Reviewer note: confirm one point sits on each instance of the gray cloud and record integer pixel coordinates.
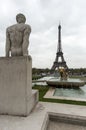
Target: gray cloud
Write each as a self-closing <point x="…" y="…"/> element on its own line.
<point x="44" y="17"/>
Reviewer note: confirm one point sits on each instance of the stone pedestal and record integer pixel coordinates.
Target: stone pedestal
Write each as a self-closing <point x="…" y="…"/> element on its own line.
<point x="16" y="96"/>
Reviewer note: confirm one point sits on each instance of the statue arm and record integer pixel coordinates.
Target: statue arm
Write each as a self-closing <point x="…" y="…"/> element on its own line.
<point x="25" y="44"/>
<point x="7" y="43"/>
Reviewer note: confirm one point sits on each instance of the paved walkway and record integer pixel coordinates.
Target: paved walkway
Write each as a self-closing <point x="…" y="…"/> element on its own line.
<point x="35" y="120"/>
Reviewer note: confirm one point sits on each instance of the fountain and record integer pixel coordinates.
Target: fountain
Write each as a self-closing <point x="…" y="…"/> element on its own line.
<point x="64" y="82"/>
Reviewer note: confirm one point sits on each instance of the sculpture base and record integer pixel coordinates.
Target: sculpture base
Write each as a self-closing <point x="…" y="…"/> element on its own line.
<point x="16" y="96"/>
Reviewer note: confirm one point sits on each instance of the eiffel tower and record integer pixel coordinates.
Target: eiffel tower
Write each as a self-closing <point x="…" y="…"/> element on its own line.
<point x="59" y="54"/>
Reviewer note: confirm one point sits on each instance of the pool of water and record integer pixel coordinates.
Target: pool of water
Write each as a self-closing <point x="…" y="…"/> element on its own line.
<point x="75" y="93"/>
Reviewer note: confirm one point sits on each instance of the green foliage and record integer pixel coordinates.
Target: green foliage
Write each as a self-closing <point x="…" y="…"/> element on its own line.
<point x="35" y="77"/>
<point x="39" y="71"/>
<point x="78" y="70"/>
<point x="42" y="91"/>
<point x="71" y="70"/>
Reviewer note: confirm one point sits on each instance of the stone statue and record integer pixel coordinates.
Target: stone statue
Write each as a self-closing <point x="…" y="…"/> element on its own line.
<point x="17" y="37"/>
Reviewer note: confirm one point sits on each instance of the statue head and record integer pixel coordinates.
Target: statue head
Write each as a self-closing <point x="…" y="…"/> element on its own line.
<point x="20" y="18"/>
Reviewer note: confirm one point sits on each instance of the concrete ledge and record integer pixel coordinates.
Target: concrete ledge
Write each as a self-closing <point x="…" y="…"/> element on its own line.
<point x="46" y="122"/>
<point x="63" y="118"/>
<point x="32" y="101"/>
<point x="71" y="119"/>
<point x="37" y="118"/>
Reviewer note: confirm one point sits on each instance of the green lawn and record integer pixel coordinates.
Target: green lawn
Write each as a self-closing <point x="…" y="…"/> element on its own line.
<point x="44" y="89"/>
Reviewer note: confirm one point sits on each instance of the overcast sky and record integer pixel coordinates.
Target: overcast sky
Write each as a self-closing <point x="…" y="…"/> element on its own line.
<point x="44" y="17"/>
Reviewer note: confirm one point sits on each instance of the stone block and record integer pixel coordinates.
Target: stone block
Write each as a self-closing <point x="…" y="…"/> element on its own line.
<point x="16" y="86"/>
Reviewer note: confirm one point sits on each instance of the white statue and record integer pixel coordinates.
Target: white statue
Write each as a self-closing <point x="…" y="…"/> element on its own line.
<point x="17" y="37"/>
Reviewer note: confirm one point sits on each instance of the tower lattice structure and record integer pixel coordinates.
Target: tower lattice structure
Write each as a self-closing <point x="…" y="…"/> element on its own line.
<point x="59" y="54"/>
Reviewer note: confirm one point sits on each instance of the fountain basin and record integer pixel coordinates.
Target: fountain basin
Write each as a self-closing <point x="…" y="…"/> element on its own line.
<point x="69" y="83"/>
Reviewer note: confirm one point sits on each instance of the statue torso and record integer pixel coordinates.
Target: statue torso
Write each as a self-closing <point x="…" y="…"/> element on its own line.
<point x="16" y="34"/>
